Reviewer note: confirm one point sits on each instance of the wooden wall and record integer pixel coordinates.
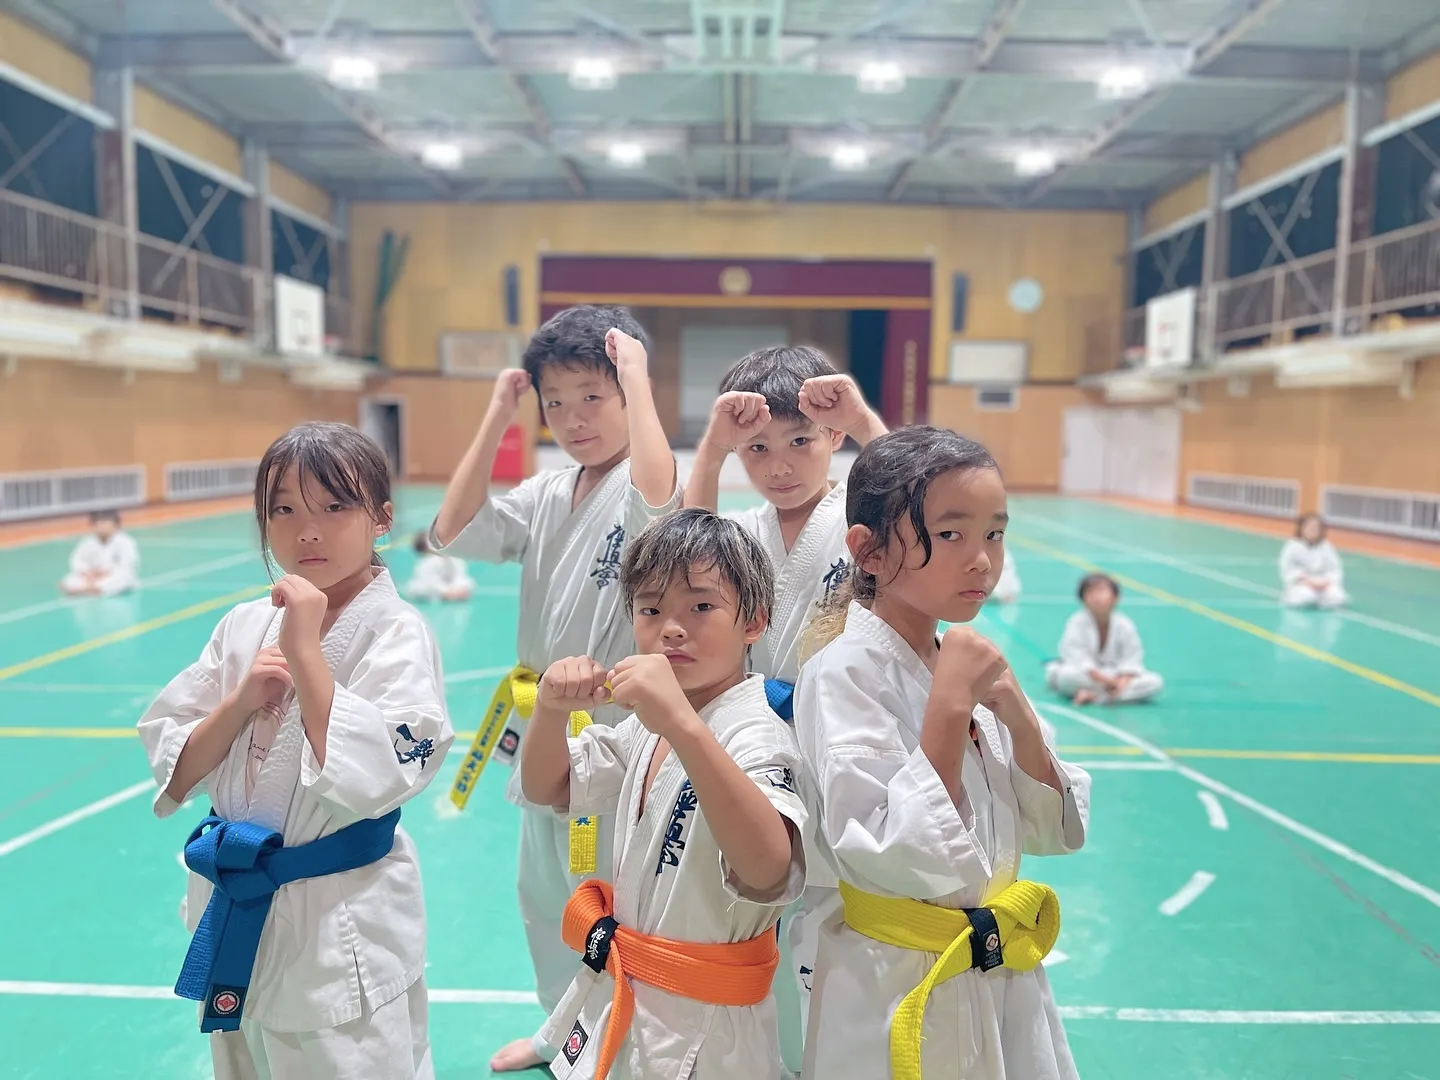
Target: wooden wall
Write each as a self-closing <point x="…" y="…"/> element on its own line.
<point x="1369" y="437"/>
<point x="56" y="415"/>
<point x="1026" y="442"/>
<point x="452" y="280"/>
<point x="441" y="418"/>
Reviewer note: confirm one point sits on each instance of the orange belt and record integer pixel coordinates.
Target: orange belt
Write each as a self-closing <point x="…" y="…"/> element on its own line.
<point x="736" y="974"/>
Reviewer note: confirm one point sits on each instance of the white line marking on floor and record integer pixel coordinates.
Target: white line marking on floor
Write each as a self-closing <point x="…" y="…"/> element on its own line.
<point x="169" y="576"/>
<point x="1214" y="810"/>
<point x="1055" y="958"/>
<point x="1329" y="843"/>
<point x="1123" y="766"/>
<point x="1244" y="1016"/>
<point x="1189" y="567"/>
<point x="1187" y="893"/>
<point x="64" y="821"/>
<point x="164" y="993"/>
<point x="476" y="674"/>
<point x="484" y="997"/>
<point x="1067" y="1012"/>
<point x="79" y="688"/>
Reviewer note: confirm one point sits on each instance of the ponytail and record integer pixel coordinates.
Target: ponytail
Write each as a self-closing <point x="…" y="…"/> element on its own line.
<point x="828" y="622"/>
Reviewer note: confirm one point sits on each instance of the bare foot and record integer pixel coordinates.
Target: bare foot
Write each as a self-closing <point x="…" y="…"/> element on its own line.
<point x="1085" y="697"/>
<point x="516" y="1056"/>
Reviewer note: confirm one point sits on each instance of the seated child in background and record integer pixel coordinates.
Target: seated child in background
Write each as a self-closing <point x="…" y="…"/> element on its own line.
<point x="1007" y="589"/>
<point x="1310" y="568"/>
<point x="700" y="784"/>
<point x="436" y="576"/>
<point x="1101" y="658"/>
<point x="105" y="563"/>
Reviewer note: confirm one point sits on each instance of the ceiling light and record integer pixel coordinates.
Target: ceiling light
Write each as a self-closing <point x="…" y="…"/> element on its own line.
<point x="849" y="157"/>
<point x="442" y="155"/>
<point x="881" y="77"/>
<point x="593" y="73"/>
<point x="626" y="155"/>
<point x="351" y="72"/>
<point x="1121" y="82"/>
<point x="1035" y="162"/>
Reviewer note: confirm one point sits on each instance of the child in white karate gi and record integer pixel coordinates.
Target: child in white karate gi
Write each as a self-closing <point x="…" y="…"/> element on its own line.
<point x="314" y="714"/>
<point x="934" y="775"/>
<point x="1310" y="568"/>
<point x="568" y="529"/>
<point x="708" y="824"/>
<point x="1101" y="656"/>
<point x="436" y="576"/>
<point x="105" y="563"/>
<point x="784" y="412"/>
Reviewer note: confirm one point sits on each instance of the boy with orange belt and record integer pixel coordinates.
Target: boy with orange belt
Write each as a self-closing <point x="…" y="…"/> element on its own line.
<point x="679" y="955"/>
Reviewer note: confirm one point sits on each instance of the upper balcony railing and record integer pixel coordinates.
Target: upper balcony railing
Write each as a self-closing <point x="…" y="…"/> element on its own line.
<point x="1394" y="272"/>
<point x="72" y="253"/>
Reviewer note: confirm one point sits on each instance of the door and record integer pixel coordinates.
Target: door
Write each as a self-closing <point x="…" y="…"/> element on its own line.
<point x="707" y="351"/>
<point x="382" y="421"/>
<point x="1142" y="459"/>
<point x="1082" y="468"/>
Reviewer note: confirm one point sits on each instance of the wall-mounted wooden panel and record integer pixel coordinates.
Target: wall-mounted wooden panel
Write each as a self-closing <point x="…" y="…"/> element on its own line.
<point x="185" y="131"/>
<point x="1316" y="133"/>
<point x="45" y="59"/>
<point x="1189" y="198"/>
<point x="299" y="192"/>
<point x="1413" y="87"/>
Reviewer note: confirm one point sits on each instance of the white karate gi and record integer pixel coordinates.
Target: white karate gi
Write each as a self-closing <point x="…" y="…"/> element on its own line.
<point x="1007" y="589"/>
<point x="1122" y="654"/>
<point x="894" y="831"/>
<point x="338" y="976"/>
<point x="672" y="881"/>
<point x="1300" y="563"/>
<point x="116" y="560"/>
<point x="570" y="605"/>
<point x="438" y="577"/>
<point x="816" y="565"/>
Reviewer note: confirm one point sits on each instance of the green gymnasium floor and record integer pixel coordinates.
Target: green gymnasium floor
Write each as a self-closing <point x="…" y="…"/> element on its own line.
<point x="1260" y="896"/>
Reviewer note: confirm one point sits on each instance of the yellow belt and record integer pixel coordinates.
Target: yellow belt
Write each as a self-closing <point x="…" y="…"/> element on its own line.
<point x="516" y="693"/>
<point x="1027" y="917"/>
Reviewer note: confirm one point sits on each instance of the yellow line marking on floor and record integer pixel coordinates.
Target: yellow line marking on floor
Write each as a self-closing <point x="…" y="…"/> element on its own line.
<point x="160" y="621"/>
<point x="1359" y="670"/>
<point x="157" y="623"/>
<point x="463" y="738"/>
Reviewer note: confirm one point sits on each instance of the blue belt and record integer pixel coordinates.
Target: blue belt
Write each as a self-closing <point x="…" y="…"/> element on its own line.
<point x="781" y="696"/>
<point x="247" y="863"/>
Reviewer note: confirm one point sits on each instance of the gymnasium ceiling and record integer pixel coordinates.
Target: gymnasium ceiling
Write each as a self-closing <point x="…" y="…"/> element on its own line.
<point x="751" y="98"/>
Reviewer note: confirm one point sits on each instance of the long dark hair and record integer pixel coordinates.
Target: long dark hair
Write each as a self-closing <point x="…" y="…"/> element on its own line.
<point x="888" y="483"/>
<point x="337" y="457"/>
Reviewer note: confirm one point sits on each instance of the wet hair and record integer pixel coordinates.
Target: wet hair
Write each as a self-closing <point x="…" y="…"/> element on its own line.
<point x="888" y="483"/>
<point x="97" y="516"/>
<point x="694" y="540"/>
<point x="1303" y="518"/>
<point x="337" y="457"/>
<point x="777" y="374"/>
<point x="1090" y="581"/>
<point x="575" y="339"/>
